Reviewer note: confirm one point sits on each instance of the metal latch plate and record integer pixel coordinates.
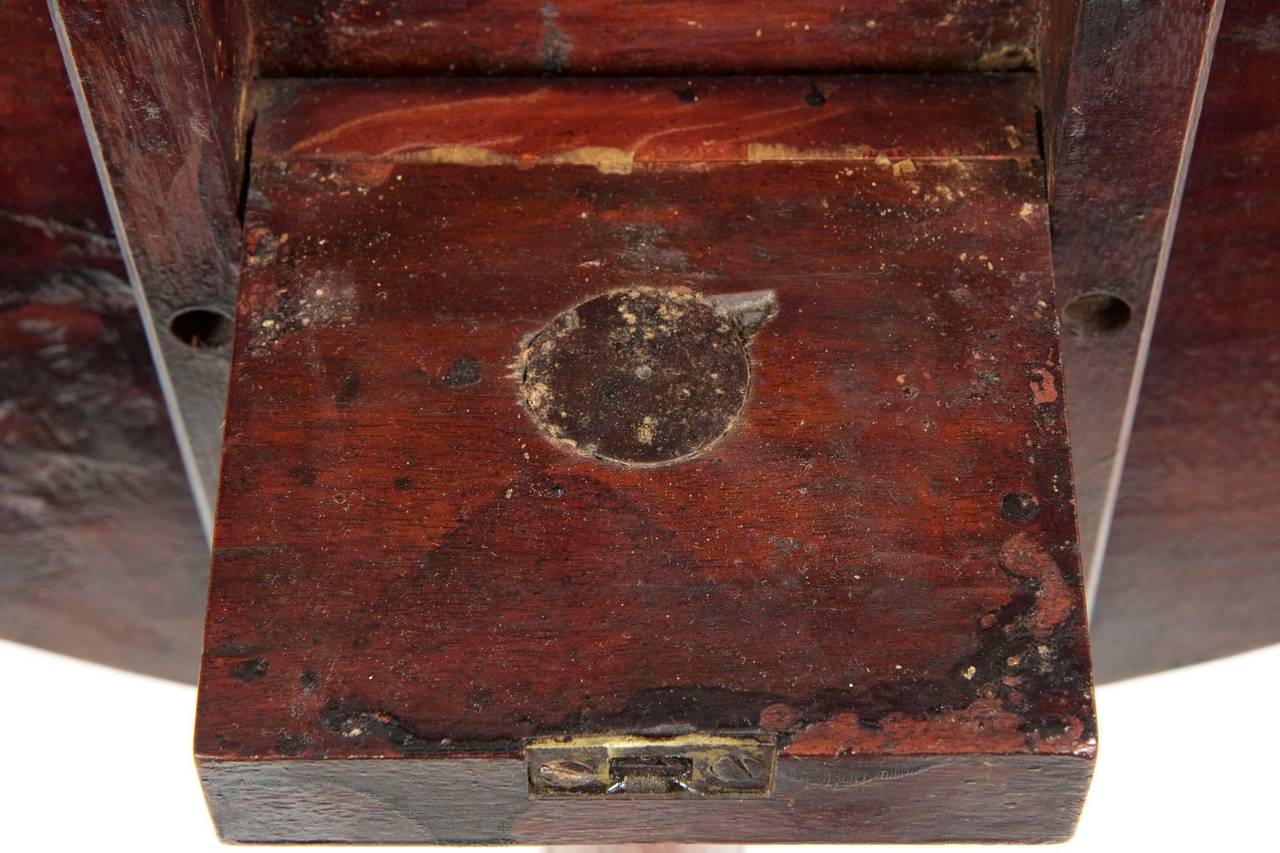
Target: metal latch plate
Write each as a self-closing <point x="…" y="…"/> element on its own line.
<point x="694" y="764"/>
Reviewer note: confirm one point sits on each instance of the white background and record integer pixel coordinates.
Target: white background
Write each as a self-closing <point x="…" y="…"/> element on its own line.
<point x="94" y="759"/>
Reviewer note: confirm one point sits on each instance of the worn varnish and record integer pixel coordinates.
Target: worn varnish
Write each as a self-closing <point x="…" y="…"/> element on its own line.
<point x="549" y="37"/>
<point x="1114" y="166"/>
<point x="101" y="555"/>
<point x="615" y="125"/>
<point x="638" y="376"/>
<point x="1122" y="84"/>
<point x="875" y="566"/>
<point x="1191" y="569"/>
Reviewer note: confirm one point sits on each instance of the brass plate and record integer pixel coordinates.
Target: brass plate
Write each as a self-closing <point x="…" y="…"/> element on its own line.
<point x="683" y="765"/>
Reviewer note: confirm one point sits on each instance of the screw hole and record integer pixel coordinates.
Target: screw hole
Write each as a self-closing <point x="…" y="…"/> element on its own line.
<point x="1096" y="313"/>
<point x="202" y="328"/>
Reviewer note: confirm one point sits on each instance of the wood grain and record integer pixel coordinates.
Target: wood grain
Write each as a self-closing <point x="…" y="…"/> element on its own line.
<point x="101" y="554"/>
<point x="1191" y="566"/>
<point x="407" y="38"/>
<point x="852" y="798"/>
<point x="617" y="124"/>
<point x="1122" y="87"/>
<point x="877" y="560"/>
<point x="163" y="90"/>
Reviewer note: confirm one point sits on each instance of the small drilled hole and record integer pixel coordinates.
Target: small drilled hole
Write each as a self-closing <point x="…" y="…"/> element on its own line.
<point x="1096" y="313"/>
<point x="202" y="328"/>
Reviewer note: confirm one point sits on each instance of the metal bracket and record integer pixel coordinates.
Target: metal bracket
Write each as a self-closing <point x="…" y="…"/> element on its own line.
<point x="694" y="764"/>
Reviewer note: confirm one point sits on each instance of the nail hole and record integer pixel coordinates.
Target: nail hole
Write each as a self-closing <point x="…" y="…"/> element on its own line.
<point x="202" y="328"/>
<point x="1019" y="508"/>
<point x="1096" y="313"/>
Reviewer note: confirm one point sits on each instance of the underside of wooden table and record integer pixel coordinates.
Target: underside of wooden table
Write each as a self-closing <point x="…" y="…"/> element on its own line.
<point x="647" y="460"/>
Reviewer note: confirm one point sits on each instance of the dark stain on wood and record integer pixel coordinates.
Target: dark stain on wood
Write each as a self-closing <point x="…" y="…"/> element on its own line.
<point x="639" y="376"/>
<point x="837" y="567"/>
<point x="250" y="670"/>
<point x="463" y="373"/>
<point x="307" y="682"/>
<point x="348" y="388"/>
<point x="355" y="719"/>
<point x="1020" y="508"/>
<point x="291" y="745"/>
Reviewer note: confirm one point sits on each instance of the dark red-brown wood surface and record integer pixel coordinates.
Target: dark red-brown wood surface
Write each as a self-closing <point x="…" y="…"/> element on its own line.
<point x="101" y="554"/>
<point x="878" y="560"/>
<point x="619" y="124"/>
<point x="164" y="90"/>
<point x="1122" y="83"/>
<point x="995" y="798"/>
<point x="1192" y="567"/>
<point x="536" y="37"/>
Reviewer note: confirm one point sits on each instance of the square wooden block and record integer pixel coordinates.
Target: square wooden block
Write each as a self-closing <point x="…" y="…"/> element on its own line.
<point x="646" y="461"/>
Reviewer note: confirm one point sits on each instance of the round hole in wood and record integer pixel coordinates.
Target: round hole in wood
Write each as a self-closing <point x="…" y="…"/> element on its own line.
<point x="643" y="376"/>
<point x="202" y="328"/>
<point x="1096" y="313"/>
